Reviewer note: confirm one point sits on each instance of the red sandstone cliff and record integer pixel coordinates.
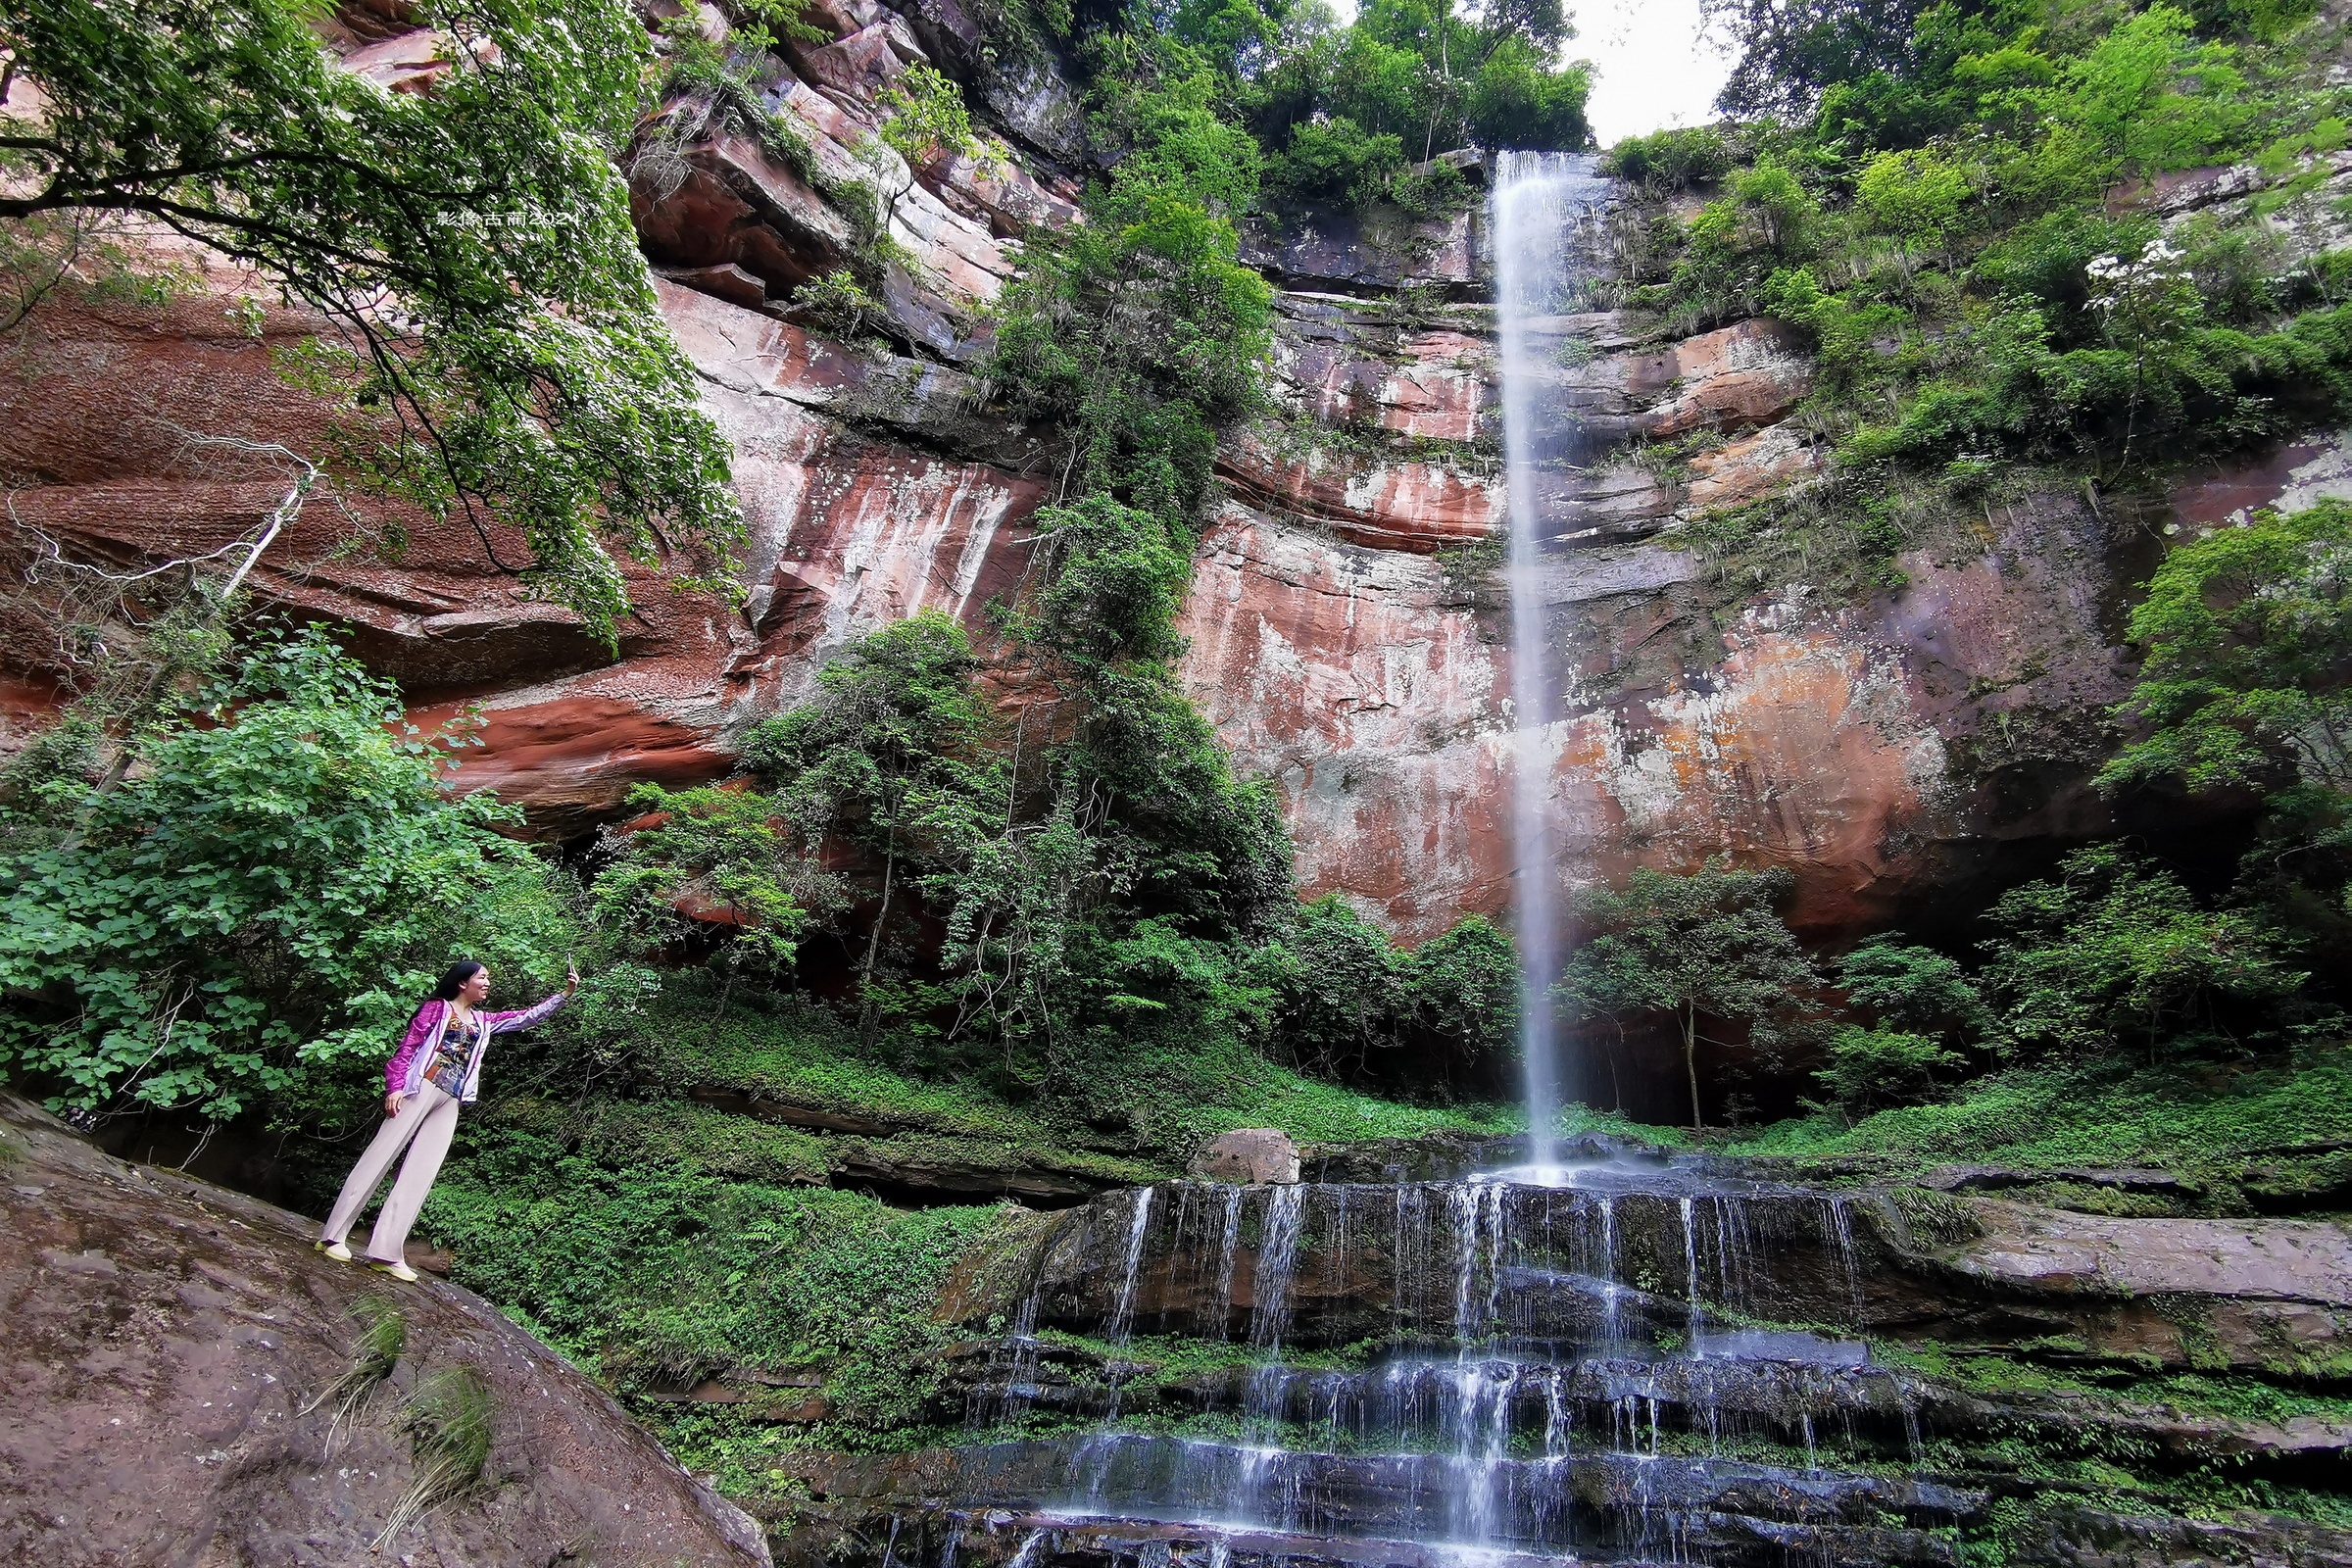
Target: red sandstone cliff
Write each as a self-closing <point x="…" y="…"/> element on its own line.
<point x="1344" y="633"/>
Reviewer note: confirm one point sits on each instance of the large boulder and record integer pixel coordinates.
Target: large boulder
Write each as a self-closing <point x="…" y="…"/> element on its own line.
<point x="186" y="1383"/>
<point x="1253" y="1156"/>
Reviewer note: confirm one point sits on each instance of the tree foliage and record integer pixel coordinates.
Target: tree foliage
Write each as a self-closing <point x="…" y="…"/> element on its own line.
<point x="1946" y="202"/>
<point x="704" y="859"/>
<point x="1707" y="945"/>
<point x="1926" y="1012"/>
<point x="1431" y="75"/>
<point x="269" y="894"/>
<point x="2247" y="675"/>
<point x="494" y="342"/>
<point x="2115" y="955"/>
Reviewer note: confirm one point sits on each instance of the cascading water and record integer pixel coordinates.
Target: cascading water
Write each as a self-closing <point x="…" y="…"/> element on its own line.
<point x="1567" y="1365"/>
<point x="1542" y="208"/>
<point x="1565" y="1375"/>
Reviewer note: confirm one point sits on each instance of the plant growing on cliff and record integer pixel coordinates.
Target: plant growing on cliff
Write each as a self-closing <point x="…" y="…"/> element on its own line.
<point x="923" y="117"/>
<point x="1139" y="330"/>
<point x="1707" y="945"/>
<point x="492" y="335"/>
<point x="447" y="1419"/>
<point x="1978" y="266"/>
<point x="2247" y="679"/>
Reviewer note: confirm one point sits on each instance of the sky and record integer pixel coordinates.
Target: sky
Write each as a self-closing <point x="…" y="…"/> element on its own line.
<point x="1651" y="68"/>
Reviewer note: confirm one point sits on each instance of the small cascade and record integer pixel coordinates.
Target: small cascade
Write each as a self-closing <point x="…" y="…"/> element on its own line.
<point x="1277" y="1262"/>
<point x="1012" y="1368"/>
<point x="1122" y="1318"/>
<point x="1565" y="1368"/>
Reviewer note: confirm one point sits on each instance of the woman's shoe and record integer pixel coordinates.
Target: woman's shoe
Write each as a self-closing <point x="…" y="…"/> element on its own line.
<point x="334" y="1250"/>
<point x="399" y="1271"/>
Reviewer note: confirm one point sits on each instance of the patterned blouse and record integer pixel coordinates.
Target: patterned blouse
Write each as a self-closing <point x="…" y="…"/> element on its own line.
<point x="441" y="1050"/>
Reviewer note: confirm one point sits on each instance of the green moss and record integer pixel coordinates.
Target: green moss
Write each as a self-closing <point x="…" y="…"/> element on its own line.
<point x="1171" y="1356"/>
<point x="674" y="1136"/>
<point x="655" y="1276"/>
<point x="1168" y="1100"/>
<point x="801" y="1055"/>
<point x="2205" y="1121"/>
<point x="1998" y="1374"/>
<point x="1937" y="1218"/>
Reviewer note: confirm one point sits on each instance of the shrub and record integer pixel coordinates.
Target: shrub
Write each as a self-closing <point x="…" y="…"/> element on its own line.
<point x="1674" y="159"/>
<point x="1335" y="161"/>
<point x="2114" y="955"/>
<point x="267" y="896"/>
<point x="1867" y="1068"/>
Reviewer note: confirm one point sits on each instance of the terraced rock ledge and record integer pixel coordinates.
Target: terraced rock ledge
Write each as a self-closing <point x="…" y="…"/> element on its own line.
<point x="1629" y="1358"/>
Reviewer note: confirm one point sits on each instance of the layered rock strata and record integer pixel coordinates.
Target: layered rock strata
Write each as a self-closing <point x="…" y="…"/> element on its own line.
<point x="1342" y="626"/>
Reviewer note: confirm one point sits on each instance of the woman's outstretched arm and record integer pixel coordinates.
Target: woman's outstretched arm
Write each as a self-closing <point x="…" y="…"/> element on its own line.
<point x="502" y="1023"/>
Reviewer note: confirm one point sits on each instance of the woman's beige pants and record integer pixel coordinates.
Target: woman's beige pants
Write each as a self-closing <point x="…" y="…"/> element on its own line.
<point x="427" y="1120"/>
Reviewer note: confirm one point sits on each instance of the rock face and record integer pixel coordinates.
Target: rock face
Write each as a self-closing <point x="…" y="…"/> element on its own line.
<point x="1251" y="1156"/>
<point x="1344" y="623"/>
<point x="1345" y="637"/>
<point x="173" y="1351"/>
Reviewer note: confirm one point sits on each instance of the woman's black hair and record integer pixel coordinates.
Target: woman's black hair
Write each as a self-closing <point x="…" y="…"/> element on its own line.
<point x="453" y="979"/>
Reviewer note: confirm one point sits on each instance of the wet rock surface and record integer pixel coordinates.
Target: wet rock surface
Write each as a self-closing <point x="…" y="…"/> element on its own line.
<point x="165" y="1345"/>
<point x="1595" y="1362"/>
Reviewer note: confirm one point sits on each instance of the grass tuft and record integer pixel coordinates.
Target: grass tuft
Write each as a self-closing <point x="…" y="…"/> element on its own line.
<point x="449" y="1432"/>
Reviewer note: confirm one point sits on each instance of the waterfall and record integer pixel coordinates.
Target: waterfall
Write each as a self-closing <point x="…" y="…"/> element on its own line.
<point x="1541" y="206"/>
<point x="1533" y="1366"/>
<point x="1567" y="1361"/>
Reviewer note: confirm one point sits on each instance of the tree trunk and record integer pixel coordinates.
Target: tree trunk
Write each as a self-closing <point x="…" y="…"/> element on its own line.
<point x="1699" y="1122"/>
<point x="873" y="945"/>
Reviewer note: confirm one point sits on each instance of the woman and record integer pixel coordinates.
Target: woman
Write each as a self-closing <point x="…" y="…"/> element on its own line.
<point x="437" y="1068"/>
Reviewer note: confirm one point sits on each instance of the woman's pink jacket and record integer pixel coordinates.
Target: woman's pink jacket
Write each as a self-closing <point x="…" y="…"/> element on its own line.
<point x="404" y="1074"/>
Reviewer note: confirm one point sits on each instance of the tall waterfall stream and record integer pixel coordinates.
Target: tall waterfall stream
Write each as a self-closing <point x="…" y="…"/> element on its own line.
<point x="1530" y="1351"/>
<point x="1540" y="218"/>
